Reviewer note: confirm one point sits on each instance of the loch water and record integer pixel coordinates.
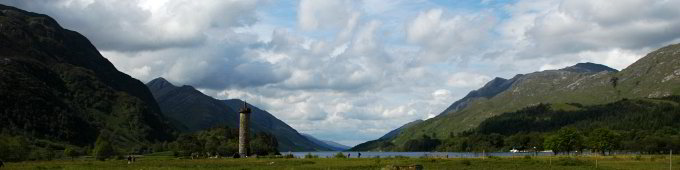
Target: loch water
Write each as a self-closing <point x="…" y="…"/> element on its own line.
<point x="330" y="154"/>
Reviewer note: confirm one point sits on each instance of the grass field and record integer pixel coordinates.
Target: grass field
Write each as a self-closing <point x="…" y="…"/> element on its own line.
<point x="648" y="162"/>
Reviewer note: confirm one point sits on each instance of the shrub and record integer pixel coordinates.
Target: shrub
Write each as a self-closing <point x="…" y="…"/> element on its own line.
<point x="41" y="154"/>
<point x="70" y="152"/>
<point x="339" y="155"/>
<point x="103" y="149"/>
<point x="289" y="156"/>
<point x="309" y="155"/>
<point x="13" y="148"/>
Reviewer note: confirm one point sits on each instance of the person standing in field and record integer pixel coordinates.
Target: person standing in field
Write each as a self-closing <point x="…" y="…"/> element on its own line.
<point x="129" y="159"/>
<point x="359" y="155"/>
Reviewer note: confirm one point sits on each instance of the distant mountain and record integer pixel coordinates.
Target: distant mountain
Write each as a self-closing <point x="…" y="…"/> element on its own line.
<point x="328" y="144"/>
<point x="56" y="86"/>
<point x="192" y="110"/>
<point x="490" y="89"/>
<point x="383" y="143"/>
<point x="655" y="75"/>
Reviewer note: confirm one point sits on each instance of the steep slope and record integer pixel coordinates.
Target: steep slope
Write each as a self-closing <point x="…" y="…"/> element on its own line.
<point x="490" y="89"/>
<point x="189" y="108"/>
<point x="57" y="86"/>
<point x="328" y="144"/>
<point x="384" y="143"/>
<point x="397" y="131"/>
<point x="193" y="110"/>
<point x="655" y="75"/>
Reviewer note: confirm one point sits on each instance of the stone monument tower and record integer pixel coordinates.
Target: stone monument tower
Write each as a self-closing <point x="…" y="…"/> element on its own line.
<point x="243" y="141"/>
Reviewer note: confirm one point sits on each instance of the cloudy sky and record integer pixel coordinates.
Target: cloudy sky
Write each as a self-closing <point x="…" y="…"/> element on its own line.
<point x="350" y="71"/>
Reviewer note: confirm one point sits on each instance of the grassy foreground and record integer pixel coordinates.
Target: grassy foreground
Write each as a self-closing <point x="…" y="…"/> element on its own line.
<point x="523" y="163"/>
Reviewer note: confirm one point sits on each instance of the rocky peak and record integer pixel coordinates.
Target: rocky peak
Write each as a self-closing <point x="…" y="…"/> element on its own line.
<point x="159" y="83"/>
<point x="588" y="67"/>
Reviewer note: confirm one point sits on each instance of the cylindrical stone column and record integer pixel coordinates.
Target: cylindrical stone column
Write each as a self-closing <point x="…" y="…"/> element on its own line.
<point x="243" y="141"/>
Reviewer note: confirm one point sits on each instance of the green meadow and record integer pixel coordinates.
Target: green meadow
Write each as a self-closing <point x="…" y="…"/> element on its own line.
<point x="645" y="162"/>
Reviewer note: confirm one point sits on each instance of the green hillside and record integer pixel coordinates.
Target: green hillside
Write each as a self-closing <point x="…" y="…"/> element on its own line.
<point x="634" y="125"/>
<point x="56" y="90"/>
<point x="655" y="75"/>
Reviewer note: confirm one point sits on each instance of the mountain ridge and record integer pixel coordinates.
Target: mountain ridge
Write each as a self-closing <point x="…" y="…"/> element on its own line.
<point x="655" y="75"/>
<point x="81" y="94"/>
<point x="329" y="144"/>
<point x="194" y="110"/>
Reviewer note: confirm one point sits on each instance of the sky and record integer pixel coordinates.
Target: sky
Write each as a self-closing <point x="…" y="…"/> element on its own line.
<point x="350" y="71"/>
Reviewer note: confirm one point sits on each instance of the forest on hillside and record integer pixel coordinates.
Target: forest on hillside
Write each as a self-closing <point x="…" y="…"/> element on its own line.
<point x="629" y="125"/>
<point x="217" y="141"/>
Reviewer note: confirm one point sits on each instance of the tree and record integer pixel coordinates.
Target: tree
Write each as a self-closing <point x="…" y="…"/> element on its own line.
<point x="13" y="148"/>
<point x="70" y="152"/>
<point x="188" y="144"/>
<point x="603" y="139"/>
<point x="102" y="149"/>
<point x="565" y="140"/>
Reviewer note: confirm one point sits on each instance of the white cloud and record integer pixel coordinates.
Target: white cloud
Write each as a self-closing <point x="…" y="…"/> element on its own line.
<point x="141" y="71"/>
<point x="441" y="94"/>
<point x="573" y="26"/>
<point x="134" y="25"/>
<point x="443" y="38"/>
<point x="314" y="14"/>
<point x="465" y="79"/>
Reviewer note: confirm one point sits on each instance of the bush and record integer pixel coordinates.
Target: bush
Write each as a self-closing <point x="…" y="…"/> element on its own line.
<point x="13" y="148"/>
<point x="103" y="149"/>
<point x="70" y="152"/>
<point x="289" y="156"/>
<point x="637" y="157"/>
<point x="41" y="154"/>
<point x="309" y="155"/>
<point x="339" y="155"/>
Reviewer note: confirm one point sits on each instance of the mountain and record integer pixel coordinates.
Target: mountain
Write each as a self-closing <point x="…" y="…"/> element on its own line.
<point x="646" y="125"/>
<point x="328" y="144"/>
<point x="57" y="87"/>
<point x="655" y="75"/>
<point x="383" y="143"/>
<point x="588" y="68"/>
<point x="192" y="110"/>
<point x="397" y="131"/>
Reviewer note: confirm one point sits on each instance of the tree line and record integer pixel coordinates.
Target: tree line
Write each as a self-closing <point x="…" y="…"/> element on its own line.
<point x="220" y="141"/>
<point x="640" y="125"/>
